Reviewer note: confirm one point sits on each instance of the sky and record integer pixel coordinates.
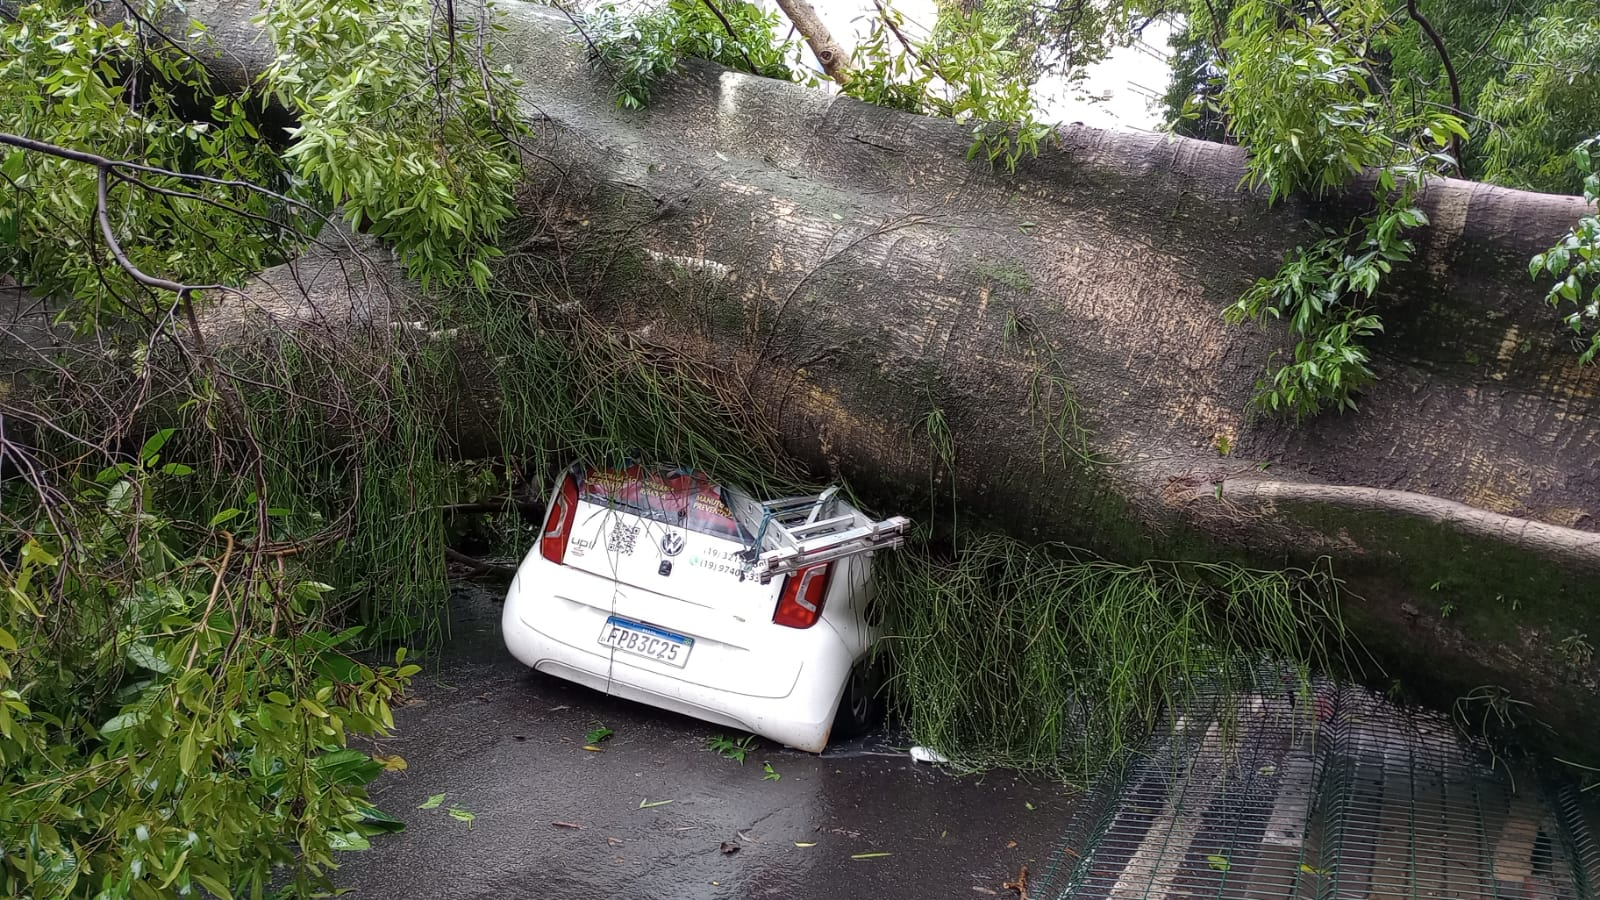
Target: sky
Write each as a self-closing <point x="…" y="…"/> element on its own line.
<point x="1120" y="85"/>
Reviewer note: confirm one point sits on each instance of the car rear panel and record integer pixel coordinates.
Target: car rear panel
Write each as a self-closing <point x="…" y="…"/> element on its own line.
<point x="691" y="567"/>
<point x="659" y="551"/>
<point x="734" y="653"/>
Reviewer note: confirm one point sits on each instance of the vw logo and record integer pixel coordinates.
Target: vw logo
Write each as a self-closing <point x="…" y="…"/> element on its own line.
<point x="672" y="543"/>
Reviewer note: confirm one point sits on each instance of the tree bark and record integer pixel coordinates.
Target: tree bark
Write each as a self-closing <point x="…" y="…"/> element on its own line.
<point x="857" y="273"/>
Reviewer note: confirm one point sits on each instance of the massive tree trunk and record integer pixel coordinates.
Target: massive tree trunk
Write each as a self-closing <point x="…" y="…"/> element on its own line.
<point x="858" y="273"/>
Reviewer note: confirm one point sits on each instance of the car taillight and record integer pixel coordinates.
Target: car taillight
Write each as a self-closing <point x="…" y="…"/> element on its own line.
<point x="800" y="603"/>
<point x="558" y="522"/>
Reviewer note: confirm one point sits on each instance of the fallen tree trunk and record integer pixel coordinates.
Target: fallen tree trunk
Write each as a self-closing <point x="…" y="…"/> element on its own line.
<point x="867" y="283"/>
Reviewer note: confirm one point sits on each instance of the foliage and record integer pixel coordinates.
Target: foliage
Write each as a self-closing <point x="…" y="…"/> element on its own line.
<point x="1190" y="99"/>
<point x="1319" y="289"/>
<point x="1319" y="94"/>
<point x="637" y="49"/>
<point x="1043" y="657"/>
<point x="1528" y="76"/>
<point x="959" y="73"/>
<point x="731" y="748"/>
<point x="59" y="80"/>
<point x="1056" y="38"/>
<point x="190" y="731"/>
<point x="400" y="126"/>
<point x="1575" y="260"/>
<point x="177" y="699"/>
<point x="1300" y="93"/>
<point x="1545" y="101"/>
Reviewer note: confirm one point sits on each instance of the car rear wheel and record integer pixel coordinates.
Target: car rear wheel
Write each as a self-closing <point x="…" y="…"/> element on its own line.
<point x="861" y="708"/>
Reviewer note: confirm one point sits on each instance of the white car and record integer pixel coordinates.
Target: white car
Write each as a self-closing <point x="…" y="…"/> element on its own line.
<point x="663" y="587"/>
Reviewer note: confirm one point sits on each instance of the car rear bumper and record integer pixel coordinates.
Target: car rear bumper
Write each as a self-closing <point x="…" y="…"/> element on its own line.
<point x="787" y="696"/>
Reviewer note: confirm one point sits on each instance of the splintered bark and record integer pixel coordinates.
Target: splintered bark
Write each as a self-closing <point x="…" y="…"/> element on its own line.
<point x="858" y="273"/>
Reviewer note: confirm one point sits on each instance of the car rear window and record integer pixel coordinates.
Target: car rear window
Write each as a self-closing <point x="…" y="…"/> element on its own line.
<point x="687" y="499"/>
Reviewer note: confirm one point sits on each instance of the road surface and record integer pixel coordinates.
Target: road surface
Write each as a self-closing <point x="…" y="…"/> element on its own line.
<point x="506" y="746"/>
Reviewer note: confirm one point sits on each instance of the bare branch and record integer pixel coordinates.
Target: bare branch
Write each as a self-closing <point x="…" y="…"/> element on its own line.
<point x="834" y="57"/>
<point x="1449" y="71"/>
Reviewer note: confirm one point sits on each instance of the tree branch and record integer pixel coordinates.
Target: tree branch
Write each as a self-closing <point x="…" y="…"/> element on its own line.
<point x="728" y="27"/>
<point x="479" y="566"/>
<point x="834" y="57"/>
<point x="1449" y="71"/>
<point x="883" y="13"/>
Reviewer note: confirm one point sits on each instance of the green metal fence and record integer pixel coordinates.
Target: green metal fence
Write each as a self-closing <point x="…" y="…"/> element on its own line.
<point x="1318" y="794"/>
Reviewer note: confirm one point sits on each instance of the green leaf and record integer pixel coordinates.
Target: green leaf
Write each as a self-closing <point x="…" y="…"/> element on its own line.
<point x="220" y="518"/>
<point x="376" y="820"/>
<point x="14" y="165"/>
<point x="123" y="721"/>
<point x="154" y="443"/>
<point x="873" y="855"/>
<point x="348" y="840"/>
<point x="652" y="804"/>
<point x="461" y="815"/>
<point x="187" y="751"/>
<point x="145" y="657"/>
<point x="176" y="470"/>
<point x="432" y="802"/>
<point x="7" y="642"/>
<point x="348" y="768"/>
<point x="1220" y="863"/>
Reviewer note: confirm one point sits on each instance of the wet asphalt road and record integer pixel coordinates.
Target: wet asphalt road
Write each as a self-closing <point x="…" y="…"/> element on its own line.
<point x="506" y="745"/>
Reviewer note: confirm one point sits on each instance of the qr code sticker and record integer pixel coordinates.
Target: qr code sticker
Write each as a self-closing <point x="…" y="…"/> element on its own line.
<point x="622" y="539"/>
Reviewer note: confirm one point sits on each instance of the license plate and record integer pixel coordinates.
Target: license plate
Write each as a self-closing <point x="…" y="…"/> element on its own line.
<point x="646" y="640"/>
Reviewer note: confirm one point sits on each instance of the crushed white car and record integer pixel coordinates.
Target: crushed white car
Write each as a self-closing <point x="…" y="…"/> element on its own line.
<point x="663" y="587"/>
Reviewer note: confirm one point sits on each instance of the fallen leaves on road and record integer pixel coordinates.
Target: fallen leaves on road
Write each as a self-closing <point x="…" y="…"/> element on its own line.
<point x="394" y="763"/>
<point x="729" y="848"/>
<point x="462" y="815"/>
<point x="591" y="748"/>
<point x="804" y="844"/>
<point x="432" y="802"/>
<point x="573" y="825"/>
<point x="873" y="855"/>
<point x="1020" y="885"/>
<point x="647" y="803"/>
<point x="1011" y="845"/>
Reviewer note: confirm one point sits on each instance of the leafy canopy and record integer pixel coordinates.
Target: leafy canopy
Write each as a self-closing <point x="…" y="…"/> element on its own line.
<point x="965" y="71"/>
<point x="176" y="694"/>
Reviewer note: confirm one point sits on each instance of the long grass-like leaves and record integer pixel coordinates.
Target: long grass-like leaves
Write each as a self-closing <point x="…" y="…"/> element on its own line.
<point x="1044" y="657"/>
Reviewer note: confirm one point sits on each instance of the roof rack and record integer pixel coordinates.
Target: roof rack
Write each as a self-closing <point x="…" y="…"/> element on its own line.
<point x="795" y="532"/>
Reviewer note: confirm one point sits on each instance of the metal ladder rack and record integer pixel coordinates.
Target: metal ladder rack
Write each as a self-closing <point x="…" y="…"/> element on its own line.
<point x="795" y="532"/>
